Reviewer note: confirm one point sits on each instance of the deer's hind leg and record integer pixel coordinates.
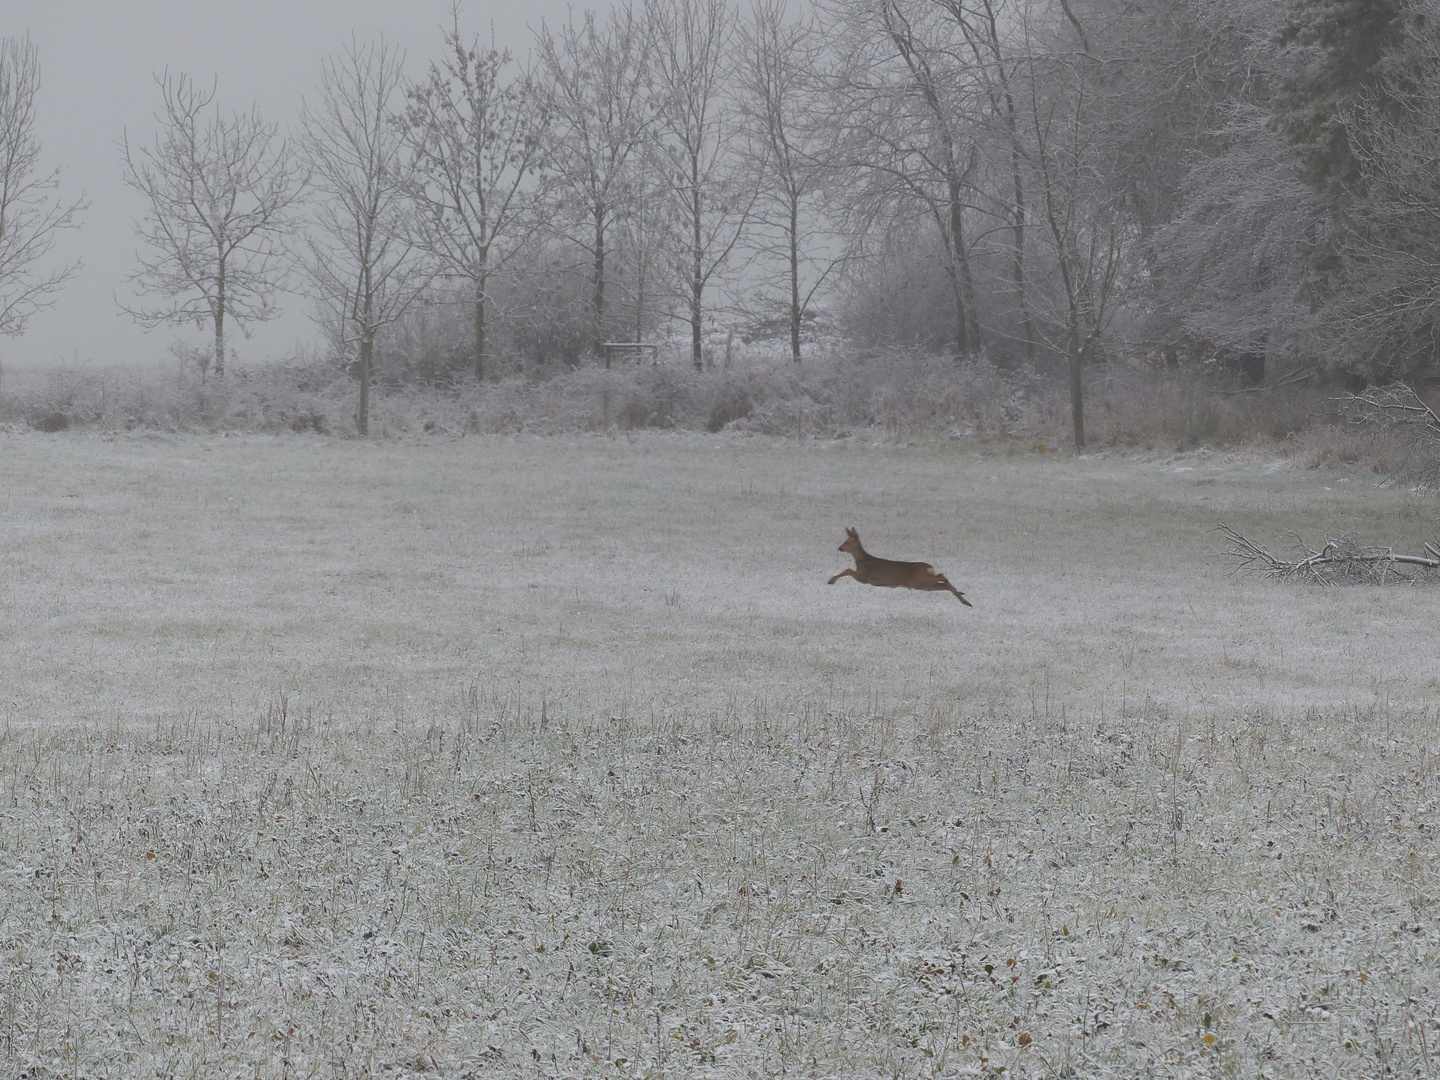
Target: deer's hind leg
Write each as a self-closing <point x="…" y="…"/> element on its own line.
<point x="944" y="583"/>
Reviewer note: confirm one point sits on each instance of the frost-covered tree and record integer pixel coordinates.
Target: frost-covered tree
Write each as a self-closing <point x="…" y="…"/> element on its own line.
<point x="595" y="80"/>
<point x="1079" y="83"/>
<point x="220" y="190"/>
<point x="692" y="60"/>
<point x="1228" y="225"/>
<point x="1230" y="265"/>
<point x="905" y="118"/>
<point x="30" y="214"/>
<point x="791" y="149"/>
<point x="646" y="235"/>
<point x="476" y="130"/>
<point x="363" y="261"/>
<point x="1380" y="312"/>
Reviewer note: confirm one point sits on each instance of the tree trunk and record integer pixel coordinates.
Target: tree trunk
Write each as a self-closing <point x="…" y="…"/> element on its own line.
<point x="949" y="220"/>
<point x="967" y="289"/>
<point x="219" y="342"/>
<point x="478" y="347"/>
<point x="482" y="285"/>
<point x="1017" y="179"/>
<point x="795" y="312"/>
<point x="1017" y="251"/>
<point x="367" y="351"/>
<point x="967" y="327"/>
<point x="959" y="273"/>
<point x="697" y="351"/>
<point x="1077" y="387"/>
<point x="697" y="281"/>
<point x="640" y="299"/>
<point x="597" y="299"/>
<point x="220" y="323"/>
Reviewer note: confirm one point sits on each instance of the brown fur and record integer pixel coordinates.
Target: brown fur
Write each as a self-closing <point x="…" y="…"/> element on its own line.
<point x="890" y="574"/>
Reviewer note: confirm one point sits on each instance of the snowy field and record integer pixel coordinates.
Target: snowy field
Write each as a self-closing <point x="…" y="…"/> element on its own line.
<point x="558" y="757"/>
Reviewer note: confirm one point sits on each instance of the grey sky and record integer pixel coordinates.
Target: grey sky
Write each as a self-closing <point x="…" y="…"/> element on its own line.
<point x="98" y="60"/>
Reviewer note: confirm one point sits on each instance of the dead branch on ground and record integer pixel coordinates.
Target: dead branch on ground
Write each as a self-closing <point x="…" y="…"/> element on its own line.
<point x="1342" y="561"/>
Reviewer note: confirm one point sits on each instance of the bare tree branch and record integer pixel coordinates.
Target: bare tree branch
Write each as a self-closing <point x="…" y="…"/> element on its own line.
<point x="1397" y="403"/>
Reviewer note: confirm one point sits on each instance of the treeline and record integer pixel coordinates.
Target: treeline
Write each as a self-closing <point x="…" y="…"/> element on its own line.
<point x="1052" y="183"/>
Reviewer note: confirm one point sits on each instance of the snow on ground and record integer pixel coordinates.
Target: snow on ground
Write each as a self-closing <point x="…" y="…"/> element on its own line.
<point x="558" y="757"/>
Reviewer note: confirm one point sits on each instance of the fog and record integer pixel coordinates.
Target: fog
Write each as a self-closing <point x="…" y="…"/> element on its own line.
<point x="98" y="63"/>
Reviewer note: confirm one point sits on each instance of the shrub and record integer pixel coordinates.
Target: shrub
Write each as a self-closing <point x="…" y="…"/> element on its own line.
<point x="900" y="393"/>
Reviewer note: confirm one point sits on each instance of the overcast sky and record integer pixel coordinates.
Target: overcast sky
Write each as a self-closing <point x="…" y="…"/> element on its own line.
<point x="98" y="59"/>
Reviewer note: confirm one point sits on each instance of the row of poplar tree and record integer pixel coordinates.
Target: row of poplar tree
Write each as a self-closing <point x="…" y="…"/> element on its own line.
<point x="1033" y="178"/>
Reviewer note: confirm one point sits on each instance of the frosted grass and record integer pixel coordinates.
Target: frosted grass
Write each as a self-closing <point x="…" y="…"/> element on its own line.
<point x="557" y="757"/>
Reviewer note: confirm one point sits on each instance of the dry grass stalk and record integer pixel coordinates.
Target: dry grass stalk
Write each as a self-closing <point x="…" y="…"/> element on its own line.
<point x="1342" y="561"/>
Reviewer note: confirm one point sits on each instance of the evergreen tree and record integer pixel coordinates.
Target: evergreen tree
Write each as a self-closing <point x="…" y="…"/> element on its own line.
<point x="1343" y="44"/>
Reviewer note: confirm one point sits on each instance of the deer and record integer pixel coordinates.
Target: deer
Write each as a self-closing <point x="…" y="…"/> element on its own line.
<point x="890" y="574"/>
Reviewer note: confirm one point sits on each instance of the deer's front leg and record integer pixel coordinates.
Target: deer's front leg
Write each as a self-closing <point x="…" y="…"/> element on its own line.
<point x="842" y="573"/>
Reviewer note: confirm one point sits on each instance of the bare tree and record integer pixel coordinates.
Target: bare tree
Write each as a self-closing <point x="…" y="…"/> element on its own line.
<point x="30" y="218"/>
<point x="602" y="114"/>
<point x="791" y="145"/>
<point x="220" y="191"/>
<point x="646" y="232"/>
<point x="692" y="53"/>
<point x="903" y="106"/>
<point x="1082" y="215"/>
<point x="986" y="30"/>
<point x="363" y="262"/>
<point x="477" y="139"/>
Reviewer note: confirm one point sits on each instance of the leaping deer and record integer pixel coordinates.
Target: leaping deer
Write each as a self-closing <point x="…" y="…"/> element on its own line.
<point x="890" y="574"/>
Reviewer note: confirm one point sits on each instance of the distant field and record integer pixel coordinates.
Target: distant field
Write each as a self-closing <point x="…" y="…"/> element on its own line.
<point x="558" y="756"/>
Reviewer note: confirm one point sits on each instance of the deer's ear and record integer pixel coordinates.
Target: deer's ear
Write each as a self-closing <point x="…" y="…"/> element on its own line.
<point x="852" y="532"/>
